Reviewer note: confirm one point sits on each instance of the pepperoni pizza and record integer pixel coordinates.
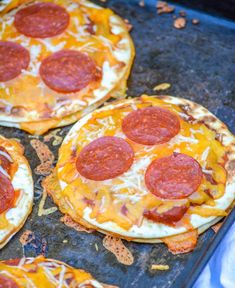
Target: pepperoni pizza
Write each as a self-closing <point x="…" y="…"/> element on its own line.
<point x="41" y="273"/>
<point x="16" y="189"/>
<point x="58" y="61"/>
<point x="145" y="169"/>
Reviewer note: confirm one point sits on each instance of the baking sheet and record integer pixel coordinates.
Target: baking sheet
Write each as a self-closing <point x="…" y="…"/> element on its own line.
<point x="198" y="62"/>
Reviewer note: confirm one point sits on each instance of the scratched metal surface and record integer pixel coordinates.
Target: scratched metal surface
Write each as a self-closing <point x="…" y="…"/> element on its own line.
<point x="199" y="63"/>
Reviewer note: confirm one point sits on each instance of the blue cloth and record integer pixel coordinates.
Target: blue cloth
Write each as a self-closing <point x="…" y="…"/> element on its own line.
<point x="220" y="271"/>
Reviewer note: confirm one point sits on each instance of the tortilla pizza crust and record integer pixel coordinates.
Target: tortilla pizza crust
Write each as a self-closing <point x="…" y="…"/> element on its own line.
<point x="146" y="233"/>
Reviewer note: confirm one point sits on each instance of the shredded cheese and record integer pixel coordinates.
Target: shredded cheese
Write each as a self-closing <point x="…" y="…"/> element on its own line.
<point x="61" y="277"/>
<point x="30" y="283"/>
<point x="180" y="139"/>
<point x="72" y="7"/>
<point x="132" y="180"/>
<point x="22" y="262"/>
<point x="48" y="273"/>
<point x="205" y="155"/>
<point x="52" y="47"/>
<point x="160" y="267"/>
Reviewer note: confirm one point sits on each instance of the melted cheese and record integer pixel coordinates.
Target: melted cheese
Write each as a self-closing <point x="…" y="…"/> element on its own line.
<point x="4" y="223"/>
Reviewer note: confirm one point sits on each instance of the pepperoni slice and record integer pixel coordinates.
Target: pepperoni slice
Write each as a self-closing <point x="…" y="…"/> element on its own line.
<point x="173" y="177"/>
<point x="5" y="159"/>
<point x="68" y="71"/>
<point x="169" y="217"/>
<point x="41" y="20"/>
<point x="7" y="282"/>
<point x="105" y="158"/>
<point x="13" y="58"/>
<point x="7" y="193"/>
<point x="151" y="125"/>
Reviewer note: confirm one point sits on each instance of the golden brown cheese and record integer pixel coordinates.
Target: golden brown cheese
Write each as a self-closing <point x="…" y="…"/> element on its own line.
<point x="182" y="243"/>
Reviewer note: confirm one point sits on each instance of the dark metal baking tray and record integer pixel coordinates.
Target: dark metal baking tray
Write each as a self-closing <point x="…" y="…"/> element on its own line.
<point x="198" y="61"/>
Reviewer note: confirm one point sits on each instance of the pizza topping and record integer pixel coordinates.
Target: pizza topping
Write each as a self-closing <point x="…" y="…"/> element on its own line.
<point x="5" y="160"/>
<point x="163" y="86"/>
<point x="69" y="71"/>
<point x="90" y="27"/>
<point x="151" y="125"/>
<point x="105" y="158"/>
<point x="169" y="217"/>
<point x="173" y="177"/>
<point x="6" y="282"/>
<point x="41" y="20"/>
<point x="7" y="193"/>
<point x="210" y="178"/>
<point x="13" y="59"/>
<point x="160" y="267"/>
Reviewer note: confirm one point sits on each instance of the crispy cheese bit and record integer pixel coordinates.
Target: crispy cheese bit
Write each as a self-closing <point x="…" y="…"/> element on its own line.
<point x="45" y="156"/>
<point x="182" y="13"/>
<point x="141" y="3"/>
<point x="129" y="27"/>
<point x="27" y="237"/>
<point x="116" y="246"/>
<point x="163" y="86"/>
<point x="57" y="139"/>
<point x="41" y="210"/>
<point x="217" y="226"/>
<point x="163" y="7"/>
<point x="179" y="23"/>
<point x="50" y="184"/>
<point x="195" y="21"/>
<point x="160" y="267"/>
<point x="68" y="221"/>
<point x="182" y="243"/>
<point x="161" y="4"/>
